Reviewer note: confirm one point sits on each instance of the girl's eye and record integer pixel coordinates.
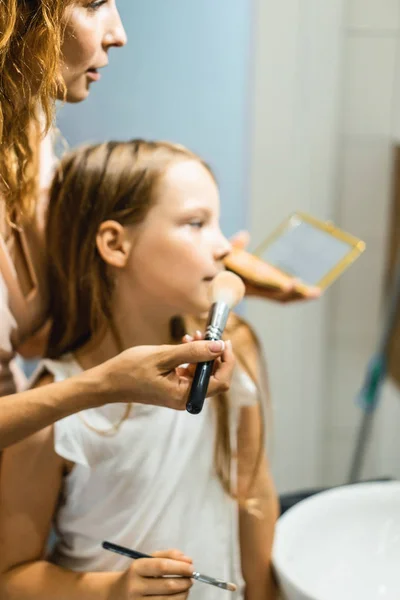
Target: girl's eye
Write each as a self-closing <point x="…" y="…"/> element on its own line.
<point x="196" y="224"/>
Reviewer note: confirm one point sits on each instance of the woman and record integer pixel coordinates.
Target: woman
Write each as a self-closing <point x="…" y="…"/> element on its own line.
<point x="35" y="37"/>
<point x="51" y="50"/>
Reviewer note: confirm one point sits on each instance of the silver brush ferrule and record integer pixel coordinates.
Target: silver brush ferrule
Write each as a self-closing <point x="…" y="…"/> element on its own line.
<point x="217" y="320"/>
<point x="210" y="580"/>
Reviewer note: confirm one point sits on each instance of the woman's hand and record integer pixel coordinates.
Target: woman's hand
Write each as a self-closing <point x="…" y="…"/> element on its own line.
<point x="153" y="374"/>
<point x="283" y="288"/>
<point x="154" y="578"/>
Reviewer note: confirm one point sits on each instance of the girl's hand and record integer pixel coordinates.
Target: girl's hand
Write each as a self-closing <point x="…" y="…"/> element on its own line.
<point x="154" y="578"/>
<point x="282" y="288"/>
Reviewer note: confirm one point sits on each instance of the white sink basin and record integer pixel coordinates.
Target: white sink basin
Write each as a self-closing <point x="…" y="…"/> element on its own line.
<point x="342" y="544"/>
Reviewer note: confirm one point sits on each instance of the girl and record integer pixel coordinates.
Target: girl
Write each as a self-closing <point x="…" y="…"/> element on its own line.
<point x="136" y="255"/>
<point x="53" y="49"/>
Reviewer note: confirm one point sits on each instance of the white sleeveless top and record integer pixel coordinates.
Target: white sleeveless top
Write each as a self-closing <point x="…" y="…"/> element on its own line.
<point x="149" y="487"/>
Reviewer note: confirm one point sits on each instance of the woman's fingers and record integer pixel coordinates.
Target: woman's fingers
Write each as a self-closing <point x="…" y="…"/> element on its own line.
<point x="241" y="240"/>
<point x="263" y="280"/>
<point x="198" y="335"/>
<point x="300" y="294"/>
<point x="223" y="370"/>
<point x="189" y="370"/>
<point x="186" y="371"/>
<point x="292" y="294"/>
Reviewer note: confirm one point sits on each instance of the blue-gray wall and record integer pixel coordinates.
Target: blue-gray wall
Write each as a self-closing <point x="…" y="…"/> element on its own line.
<point x="184" y="76"/>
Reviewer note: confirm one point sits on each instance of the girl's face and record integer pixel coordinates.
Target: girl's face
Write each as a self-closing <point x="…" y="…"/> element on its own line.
<point x="179" y="248"/>
<point x="92" y="28"/>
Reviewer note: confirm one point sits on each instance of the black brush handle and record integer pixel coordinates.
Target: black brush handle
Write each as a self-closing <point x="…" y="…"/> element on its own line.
<point x="134" y="554"/>
<point x="199" y="388"/>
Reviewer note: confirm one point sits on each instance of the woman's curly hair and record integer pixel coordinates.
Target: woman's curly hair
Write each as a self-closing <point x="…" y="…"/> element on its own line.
<point x="31" y="34"/>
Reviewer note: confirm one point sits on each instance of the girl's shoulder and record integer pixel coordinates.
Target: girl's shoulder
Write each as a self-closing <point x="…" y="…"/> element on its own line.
<point x="72" y="441"/>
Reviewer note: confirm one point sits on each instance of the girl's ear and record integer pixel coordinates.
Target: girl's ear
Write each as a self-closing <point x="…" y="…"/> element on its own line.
<point x="113" y="244"/>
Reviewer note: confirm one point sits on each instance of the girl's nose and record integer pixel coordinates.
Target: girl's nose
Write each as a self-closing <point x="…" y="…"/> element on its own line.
<point x="224" y="248"/>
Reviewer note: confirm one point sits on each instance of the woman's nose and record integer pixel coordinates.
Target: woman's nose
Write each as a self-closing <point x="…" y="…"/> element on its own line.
<point x="116" y="36"/>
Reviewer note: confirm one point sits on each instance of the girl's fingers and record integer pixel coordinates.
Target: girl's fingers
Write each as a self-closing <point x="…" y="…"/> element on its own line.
<point x="173" y="554"/>
<point x="159" y="567"/>
<point x="168" y="586"/>
<point x="182" y="596"/>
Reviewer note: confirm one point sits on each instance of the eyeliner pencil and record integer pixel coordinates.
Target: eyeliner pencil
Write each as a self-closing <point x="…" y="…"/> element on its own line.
<point x="134" y="554"/>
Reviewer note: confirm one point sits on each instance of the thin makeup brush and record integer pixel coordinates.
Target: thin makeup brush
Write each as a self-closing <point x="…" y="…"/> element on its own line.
<point x="227" y="290"/>
<point x="134" y="554"/>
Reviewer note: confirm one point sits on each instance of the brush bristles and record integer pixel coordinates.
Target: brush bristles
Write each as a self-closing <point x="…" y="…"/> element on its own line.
<point x="231" y="587"/>
<point x="228" y="288"/>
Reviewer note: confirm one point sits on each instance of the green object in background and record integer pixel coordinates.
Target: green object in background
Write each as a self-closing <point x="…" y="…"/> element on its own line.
<point x="376" y="373"/>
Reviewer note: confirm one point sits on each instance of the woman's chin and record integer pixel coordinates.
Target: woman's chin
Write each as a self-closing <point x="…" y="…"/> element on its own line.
<point x="77" y="91"/>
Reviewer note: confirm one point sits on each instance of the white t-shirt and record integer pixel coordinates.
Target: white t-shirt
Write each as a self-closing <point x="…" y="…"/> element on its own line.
<point x="150" y="486"/>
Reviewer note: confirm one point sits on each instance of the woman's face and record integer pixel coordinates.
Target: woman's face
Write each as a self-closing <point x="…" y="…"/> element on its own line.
<point x="179" y="248"/>
<point x="92" y="28"/>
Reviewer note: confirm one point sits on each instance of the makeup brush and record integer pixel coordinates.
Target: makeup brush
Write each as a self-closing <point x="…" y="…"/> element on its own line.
<point x="134" y="554"/>
<point x="227" y="290"/>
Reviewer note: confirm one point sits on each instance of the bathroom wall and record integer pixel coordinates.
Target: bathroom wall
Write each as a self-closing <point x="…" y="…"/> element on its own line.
<point x="296" y="111"/>
<point x="184" y="76"/>
<point x="371" y="102"/>
<point x="326" y="114"/>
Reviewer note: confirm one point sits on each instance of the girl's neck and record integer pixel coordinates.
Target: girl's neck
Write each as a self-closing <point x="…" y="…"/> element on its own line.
<point x="132" y="326"/>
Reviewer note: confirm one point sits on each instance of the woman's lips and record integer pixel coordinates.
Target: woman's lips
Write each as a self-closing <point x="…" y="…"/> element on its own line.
<point x="93" y="74"/>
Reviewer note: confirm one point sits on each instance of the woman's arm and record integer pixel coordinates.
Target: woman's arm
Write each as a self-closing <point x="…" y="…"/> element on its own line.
<point x="145" y="374"/>
<point x="24" y="413"/>
<point x="31" y="480"/>
<point x="257" y="521"/>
